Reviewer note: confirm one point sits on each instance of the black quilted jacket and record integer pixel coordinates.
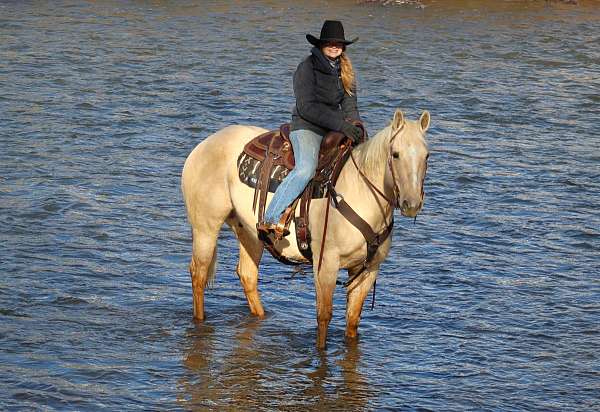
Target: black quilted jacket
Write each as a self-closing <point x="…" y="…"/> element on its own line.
<point x="321" y="102"/>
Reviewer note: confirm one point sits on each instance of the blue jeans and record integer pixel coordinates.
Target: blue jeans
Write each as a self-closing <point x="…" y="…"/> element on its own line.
<point x="306" y="146"/>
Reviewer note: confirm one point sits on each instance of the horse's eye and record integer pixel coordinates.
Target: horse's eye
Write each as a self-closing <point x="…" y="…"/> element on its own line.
<point x="395" y="155"/>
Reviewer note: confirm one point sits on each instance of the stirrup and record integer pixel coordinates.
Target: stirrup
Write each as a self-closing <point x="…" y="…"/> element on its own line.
<point x="278" y="230"/>
<point x="281" y="231"/>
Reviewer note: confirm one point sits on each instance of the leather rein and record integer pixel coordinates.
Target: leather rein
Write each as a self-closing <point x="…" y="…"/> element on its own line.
<point x="373" y="240"/>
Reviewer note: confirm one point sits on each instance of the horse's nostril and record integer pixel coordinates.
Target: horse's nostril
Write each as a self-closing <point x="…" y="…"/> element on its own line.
<point x="405" y="205"/>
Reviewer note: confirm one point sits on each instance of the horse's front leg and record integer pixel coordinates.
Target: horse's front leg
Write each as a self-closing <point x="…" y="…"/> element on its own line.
<point x="325" y="286"/>
<point x="357" y="292"/>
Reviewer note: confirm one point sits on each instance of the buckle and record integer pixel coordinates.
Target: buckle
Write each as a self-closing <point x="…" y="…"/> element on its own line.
<point x="336" y="199"/>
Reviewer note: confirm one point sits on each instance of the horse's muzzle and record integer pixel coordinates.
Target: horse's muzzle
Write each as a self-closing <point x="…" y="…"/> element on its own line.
<point x="410" y="209"/>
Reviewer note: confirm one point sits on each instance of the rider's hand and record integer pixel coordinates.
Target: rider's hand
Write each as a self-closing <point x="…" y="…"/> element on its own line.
<point x="353" y="132"/>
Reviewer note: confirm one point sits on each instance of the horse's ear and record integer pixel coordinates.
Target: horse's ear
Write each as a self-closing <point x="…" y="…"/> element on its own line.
<point x="398" y="120"/>
<point x="424" y="121"/>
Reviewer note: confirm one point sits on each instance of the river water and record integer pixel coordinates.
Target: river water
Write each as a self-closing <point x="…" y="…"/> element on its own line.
<point x="491" y="301"/>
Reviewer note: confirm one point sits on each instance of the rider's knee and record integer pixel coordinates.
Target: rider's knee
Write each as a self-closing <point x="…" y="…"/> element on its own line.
<point x="306" y="172"/>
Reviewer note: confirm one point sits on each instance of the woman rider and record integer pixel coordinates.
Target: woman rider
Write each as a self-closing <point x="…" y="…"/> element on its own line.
<point x="325" y="91"/>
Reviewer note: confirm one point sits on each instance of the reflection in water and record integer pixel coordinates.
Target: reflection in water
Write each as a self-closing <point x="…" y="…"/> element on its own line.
<point x="246" y="375"/>
<point x="491" y="303"/>
<point x="196" y="389"/>
<point x="243" y="371"/>
<point x="350" y="391"/>
<point x="357" y="390"/>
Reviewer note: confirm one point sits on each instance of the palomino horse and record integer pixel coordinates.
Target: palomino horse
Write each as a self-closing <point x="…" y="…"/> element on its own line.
<point x="387" y="171"/>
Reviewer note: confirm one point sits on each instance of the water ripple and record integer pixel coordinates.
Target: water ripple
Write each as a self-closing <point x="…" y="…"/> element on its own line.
<point x="489" y="302"/>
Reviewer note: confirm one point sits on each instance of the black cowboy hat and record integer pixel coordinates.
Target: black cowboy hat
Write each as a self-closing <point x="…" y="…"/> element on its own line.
<point x="332" y="31"/>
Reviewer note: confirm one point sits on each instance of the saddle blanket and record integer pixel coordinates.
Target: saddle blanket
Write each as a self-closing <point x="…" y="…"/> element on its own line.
<point x="249" y="172"/>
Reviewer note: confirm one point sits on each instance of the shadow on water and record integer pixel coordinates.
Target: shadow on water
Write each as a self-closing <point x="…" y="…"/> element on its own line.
<point x="246" y="372"/>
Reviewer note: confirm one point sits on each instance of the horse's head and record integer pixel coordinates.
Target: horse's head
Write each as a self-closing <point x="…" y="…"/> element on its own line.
<point x="408" y="162"/>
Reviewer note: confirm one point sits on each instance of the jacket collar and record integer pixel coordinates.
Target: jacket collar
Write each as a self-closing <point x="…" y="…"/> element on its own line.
<point x="323" y="63"/>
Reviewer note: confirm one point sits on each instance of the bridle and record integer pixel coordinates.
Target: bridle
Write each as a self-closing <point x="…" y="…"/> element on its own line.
<point x="391" y="167"/>
<point x="373" y="240"/>
<point x="394" y="202"/>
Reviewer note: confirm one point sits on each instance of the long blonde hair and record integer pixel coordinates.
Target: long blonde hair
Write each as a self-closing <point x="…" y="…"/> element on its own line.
<point x="348" y="78"/>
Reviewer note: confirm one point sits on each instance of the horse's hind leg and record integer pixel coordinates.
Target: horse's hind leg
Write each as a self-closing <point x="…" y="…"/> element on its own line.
<point x="251" y="250"/>
<point x="355" y="299"/>
<point x="202" y="266"/>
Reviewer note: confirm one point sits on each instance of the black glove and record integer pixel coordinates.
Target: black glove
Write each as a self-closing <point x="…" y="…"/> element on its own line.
<point x="353" y="132"/>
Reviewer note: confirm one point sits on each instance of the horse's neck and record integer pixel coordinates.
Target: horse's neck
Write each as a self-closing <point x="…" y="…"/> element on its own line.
<point x="371" y="158"/>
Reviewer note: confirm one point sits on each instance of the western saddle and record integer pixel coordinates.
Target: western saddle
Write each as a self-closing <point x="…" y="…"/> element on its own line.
<point x="267" y="159"/>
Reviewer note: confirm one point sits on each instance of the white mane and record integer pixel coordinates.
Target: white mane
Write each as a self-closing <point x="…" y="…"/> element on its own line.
<point x="372" y="154"/>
